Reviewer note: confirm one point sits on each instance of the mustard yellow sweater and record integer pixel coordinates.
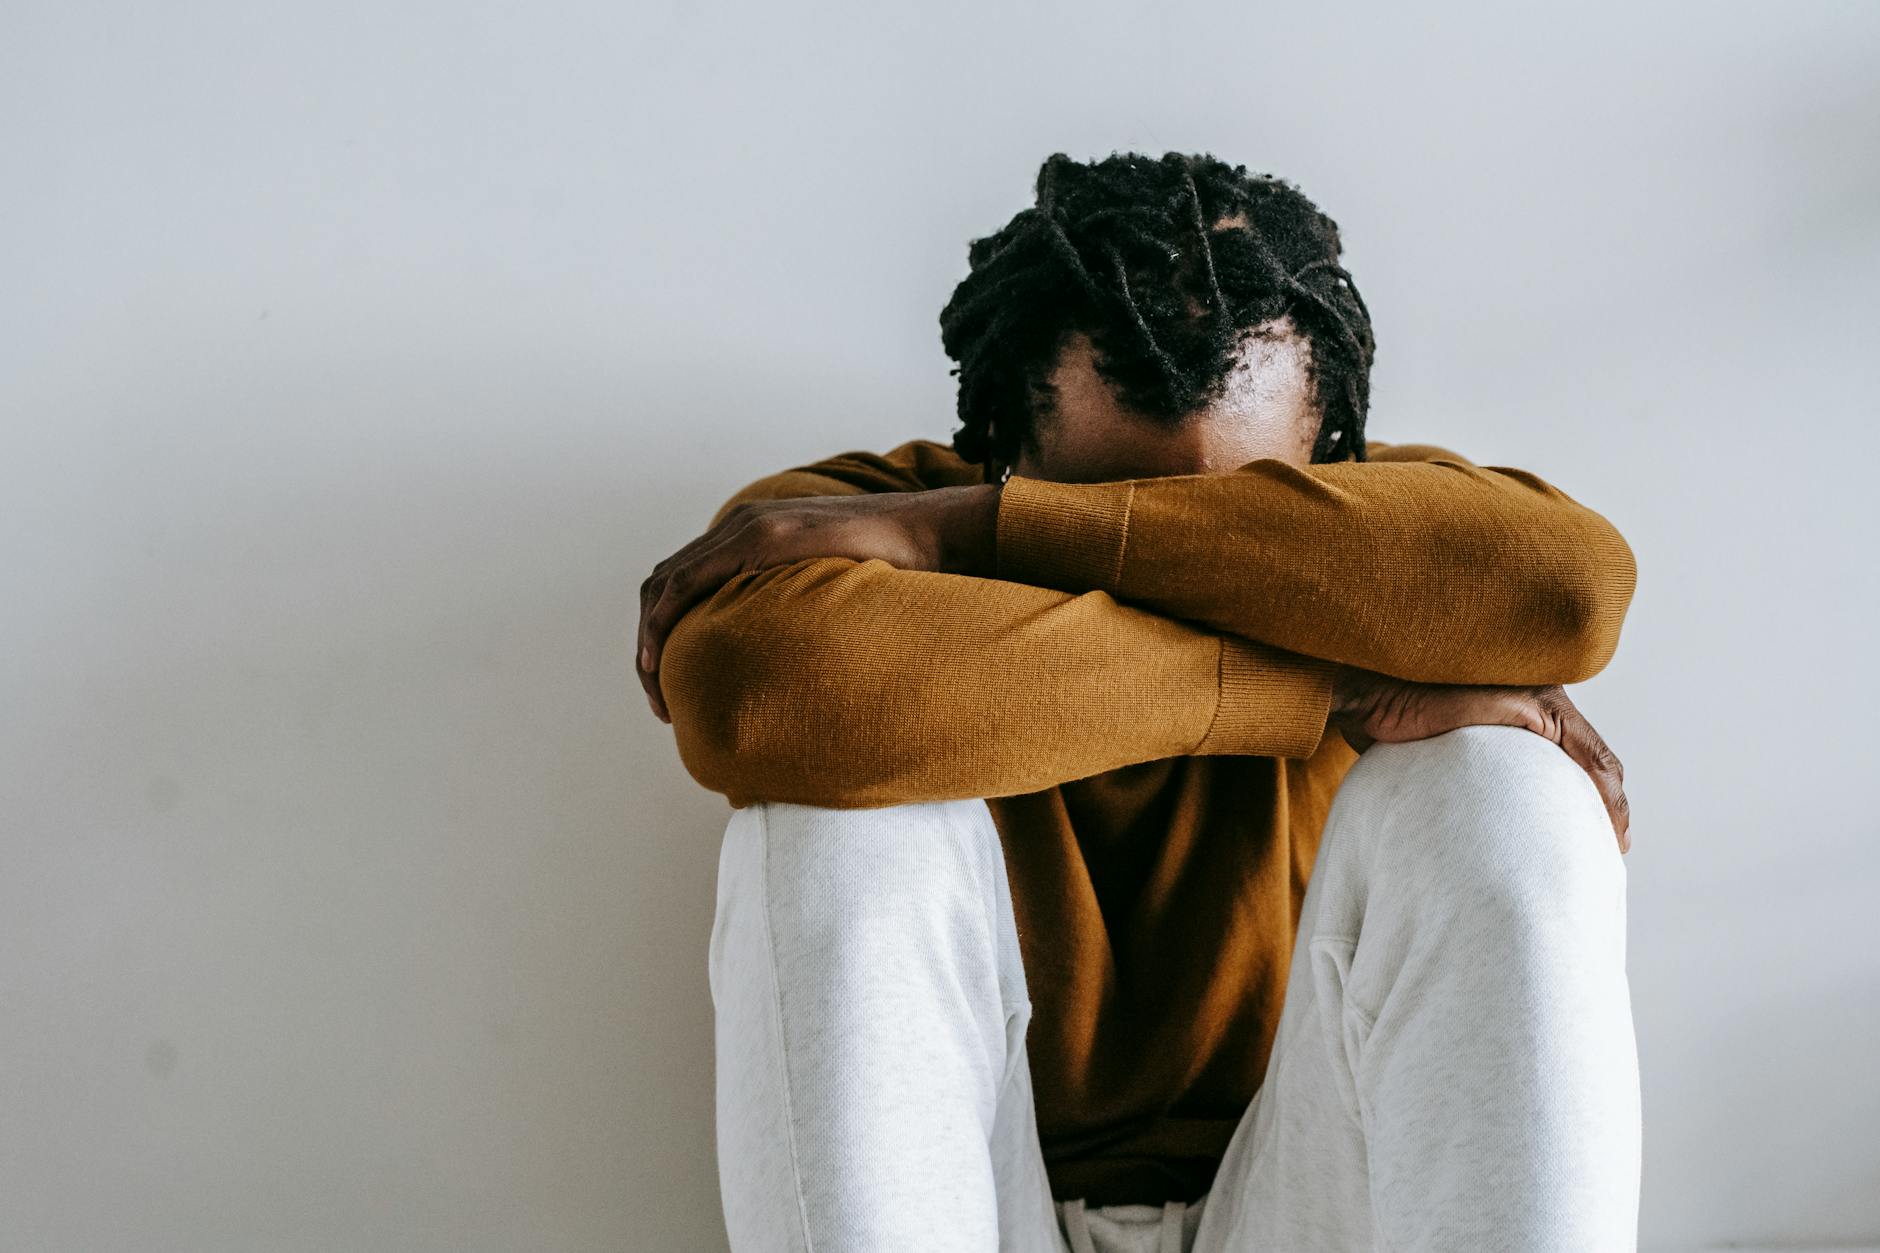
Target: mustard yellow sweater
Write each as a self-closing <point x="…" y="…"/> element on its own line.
<point x="1141" y="696"/>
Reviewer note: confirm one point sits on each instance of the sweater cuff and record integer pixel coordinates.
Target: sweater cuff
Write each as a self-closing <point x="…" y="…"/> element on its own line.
<point x="1273" y="703"/>
<point x="1067" y="536"/>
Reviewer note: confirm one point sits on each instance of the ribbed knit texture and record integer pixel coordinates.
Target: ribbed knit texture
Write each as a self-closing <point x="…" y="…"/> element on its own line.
<point x="1067" y="535"/>
<point x="1258" y="692"/>
<point x="1141" y="695"/>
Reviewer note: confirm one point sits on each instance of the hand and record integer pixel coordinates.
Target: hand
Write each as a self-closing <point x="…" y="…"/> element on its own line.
<point x="1368" y="707"/>
<point x="948" y="529"/>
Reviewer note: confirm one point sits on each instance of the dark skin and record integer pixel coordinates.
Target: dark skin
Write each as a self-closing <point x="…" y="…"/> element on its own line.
<point x="1267" y="410"/>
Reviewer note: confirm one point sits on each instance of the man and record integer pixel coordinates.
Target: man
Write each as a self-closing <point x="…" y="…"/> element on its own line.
<point x="1030" y="741"/>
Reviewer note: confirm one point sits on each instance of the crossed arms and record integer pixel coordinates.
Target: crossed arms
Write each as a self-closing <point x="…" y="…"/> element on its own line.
<point x="1129" y="621"/>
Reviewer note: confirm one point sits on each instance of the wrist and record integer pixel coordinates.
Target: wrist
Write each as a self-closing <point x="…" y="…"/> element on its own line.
<point x="1350" y="686"/>
<point x="968" y="531"/>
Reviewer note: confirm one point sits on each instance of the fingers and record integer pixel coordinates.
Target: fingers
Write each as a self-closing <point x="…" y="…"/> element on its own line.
<point x="649" y="683"/>
<point x="680" y="590"/>
<point x="1373" y="708"/>
<point x="675" y="585"/>
<point x="664" y="597"/>
<point x="643" y="663"/>
<point x="645" y="657"/>
<point x="1587" y="747"/>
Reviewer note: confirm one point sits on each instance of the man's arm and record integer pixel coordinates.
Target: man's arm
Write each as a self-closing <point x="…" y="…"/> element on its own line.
<point x="1416" y="564"/>
<point x="853" y="683"/>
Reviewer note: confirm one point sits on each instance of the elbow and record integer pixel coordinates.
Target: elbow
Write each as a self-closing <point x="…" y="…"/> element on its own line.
<point x="1583" y="598"/>
<point x="710" y="676"/>
<point x="757" y="715"/>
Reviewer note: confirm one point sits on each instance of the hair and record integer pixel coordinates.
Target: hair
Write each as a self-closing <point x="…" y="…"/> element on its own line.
<point x="1126" y="250"/>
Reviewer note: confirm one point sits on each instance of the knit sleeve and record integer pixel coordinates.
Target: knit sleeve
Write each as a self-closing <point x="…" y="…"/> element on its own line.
<point x="855" y="684"/>
<point x="850" y="683"/>
<point x="1416" y="563"/>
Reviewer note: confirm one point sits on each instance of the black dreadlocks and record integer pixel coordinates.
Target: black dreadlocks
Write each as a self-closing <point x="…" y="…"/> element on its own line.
<point x="1166" y="265"/>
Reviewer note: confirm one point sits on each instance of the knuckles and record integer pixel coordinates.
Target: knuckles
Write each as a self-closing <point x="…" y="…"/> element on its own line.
<point x="771" y="526"/>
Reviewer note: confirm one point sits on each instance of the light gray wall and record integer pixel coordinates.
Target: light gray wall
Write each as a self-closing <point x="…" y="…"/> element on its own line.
<point x="357" y="360"/>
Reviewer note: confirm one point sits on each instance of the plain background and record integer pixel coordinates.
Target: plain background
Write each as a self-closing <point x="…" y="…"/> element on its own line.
<point x="358" y="360"/>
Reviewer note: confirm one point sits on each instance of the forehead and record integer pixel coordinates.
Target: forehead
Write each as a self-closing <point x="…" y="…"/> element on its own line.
<point x="1271" y="378"/>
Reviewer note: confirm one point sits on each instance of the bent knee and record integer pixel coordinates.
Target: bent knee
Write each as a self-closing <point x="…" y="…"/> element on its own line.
<point x="827" y="866"/>
<point x="1499" y="808"/>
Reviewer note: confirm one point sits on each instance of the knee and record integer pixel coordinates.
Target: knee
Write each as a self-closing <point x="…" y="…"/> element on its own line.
<point x="900" y="905"/>
<point x="885" y="867"/>
<point x="1492" y="814"/>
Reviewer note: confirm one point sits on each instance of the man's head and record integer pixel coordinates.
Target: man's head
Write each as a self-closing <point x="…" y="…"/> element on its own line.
<point x="1150" y="317"/>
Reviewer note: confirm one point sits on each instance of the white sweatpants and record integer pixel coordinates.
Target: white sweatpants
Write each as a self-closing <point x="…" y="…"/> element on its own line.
<point x="1454" y="1069"/>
